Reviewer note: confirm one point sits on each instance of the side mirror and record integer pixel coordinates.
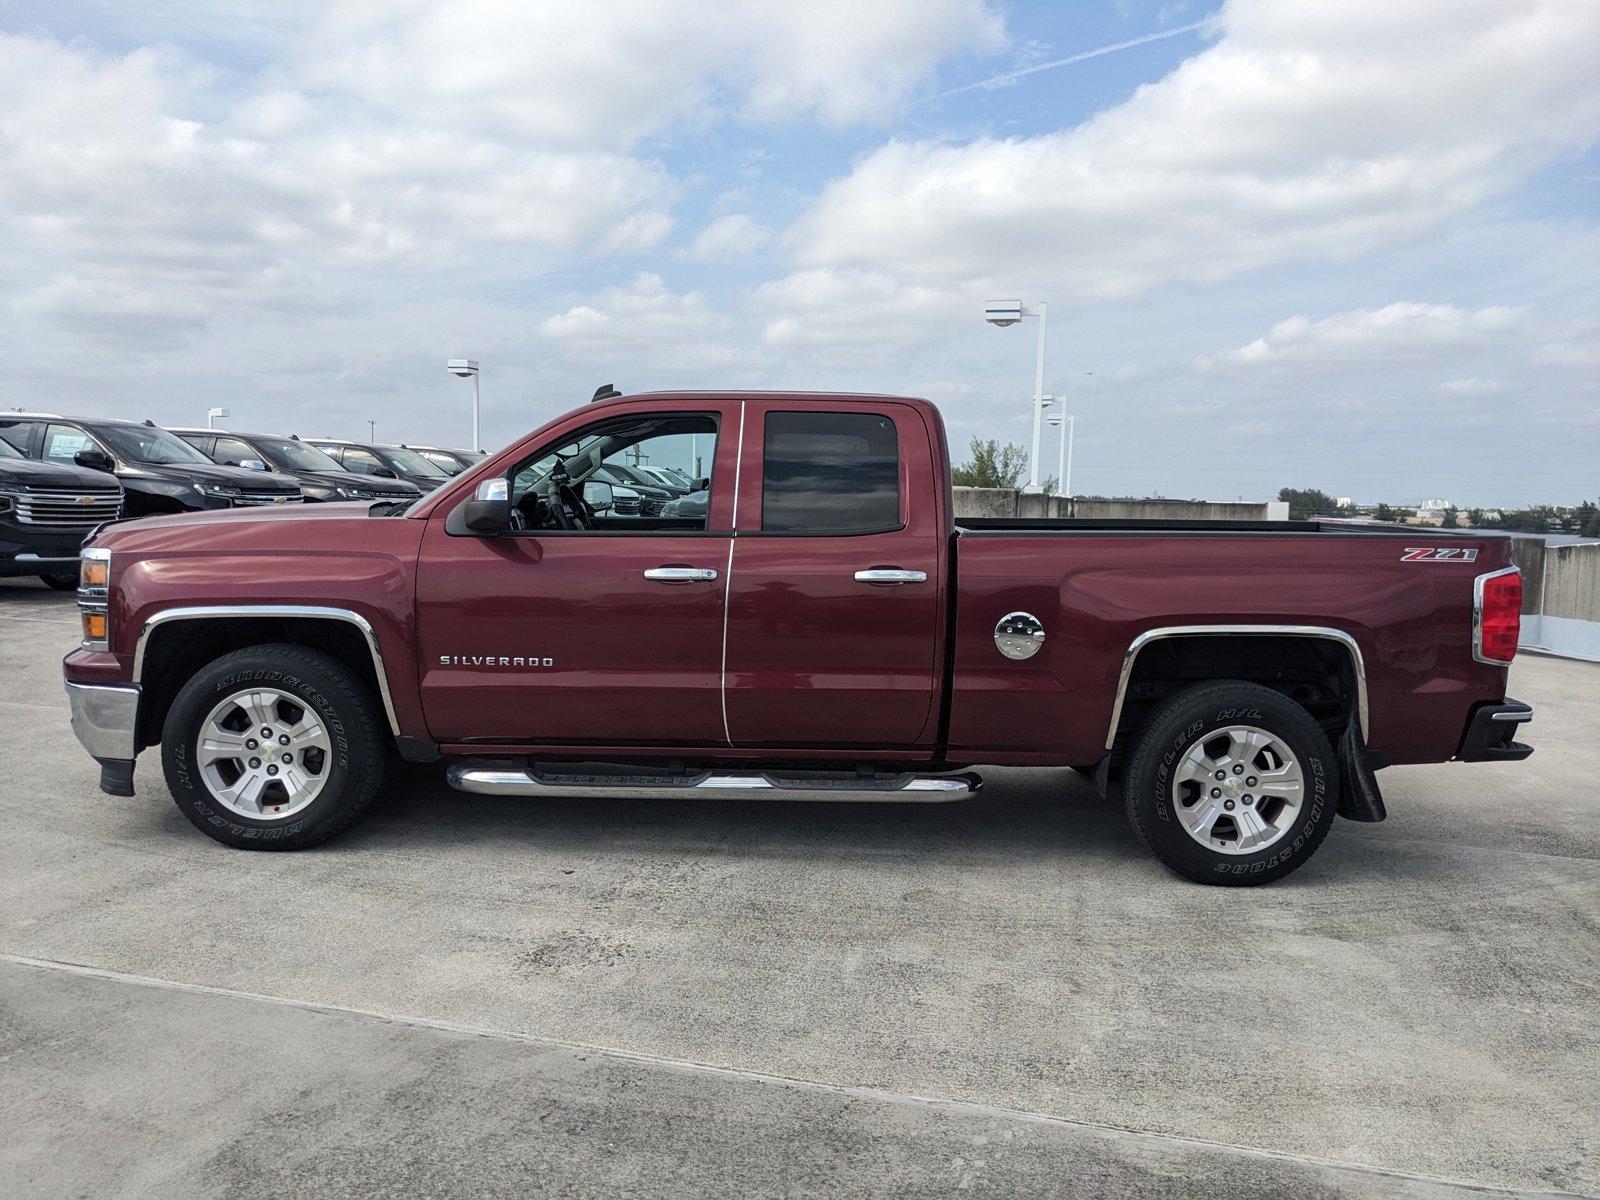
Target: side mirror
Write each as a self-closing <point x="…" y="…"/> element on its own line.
<point x="599" y="496"/>
<point x="95" y="460"/>
<point x="488" y="513"/>
<point x="252" y="464"/>
<point x="384" y="473"/>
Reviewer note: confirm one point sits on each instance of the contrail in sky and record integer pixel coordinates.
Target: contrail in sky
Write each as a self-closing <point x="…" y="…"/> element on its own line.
<point x="997" y="80"/>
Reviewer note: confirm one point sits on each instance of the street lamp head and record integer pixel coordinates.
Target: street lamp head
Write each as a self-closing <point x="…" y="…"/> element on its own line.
<point x="1003" y="312"/>
<point x="463" y="368"/>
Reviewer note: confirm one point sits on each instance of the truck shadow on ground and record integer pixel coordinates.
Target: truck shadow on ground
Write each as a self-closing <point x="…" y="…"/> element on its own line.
<point x="1033" y="814"/>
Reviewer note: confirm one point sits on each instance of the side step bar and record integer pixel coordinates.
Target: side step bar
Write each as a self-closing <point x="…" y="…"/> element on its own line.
<point x="509" y="780"/>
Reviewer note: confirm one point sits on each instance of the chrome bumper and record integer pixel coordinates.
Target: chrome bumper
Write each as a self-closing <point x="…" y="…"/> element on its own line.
<point x="104" y="717"/>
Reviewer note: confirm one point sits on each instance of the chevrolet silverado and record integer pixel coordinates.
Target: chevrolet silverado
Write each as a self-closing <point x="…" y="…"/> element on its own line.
<point x="822" y="627"/>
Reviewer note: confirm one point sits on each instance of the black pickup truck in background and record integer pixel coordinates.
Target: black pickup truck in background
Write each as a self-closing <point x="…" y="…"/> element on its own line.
<point x="46" y="510"/>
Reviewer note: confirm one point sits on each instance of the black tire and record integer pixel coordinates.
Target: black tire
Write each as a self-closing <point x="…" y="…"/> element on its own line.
<point x="61" y="583"/>
<point x="1184" y="720"/>
<point x="327" y="687"/>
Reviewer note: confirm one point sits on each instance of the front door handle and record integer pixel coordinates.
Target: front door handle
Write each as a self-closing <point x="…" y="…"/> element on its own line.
<point x="681" y="574"/>
<point x="890" y="575"/>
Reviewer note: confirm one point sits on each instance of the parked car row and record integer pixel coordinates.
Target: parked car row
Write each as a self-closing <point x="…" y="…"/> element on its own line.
<point x="61" y="477"/>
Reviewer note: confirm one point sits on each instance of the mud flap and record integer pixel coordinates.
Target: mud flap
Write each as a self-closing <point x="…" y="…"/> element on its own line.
<point x="1359" y="797"/>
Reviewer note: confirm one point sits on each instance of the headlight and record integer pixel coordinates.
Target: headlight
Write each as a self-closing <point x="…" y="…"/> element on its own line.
<point x="350" y="493"/>
<point x="94" y="592"/>
<point x="215" y="489"/>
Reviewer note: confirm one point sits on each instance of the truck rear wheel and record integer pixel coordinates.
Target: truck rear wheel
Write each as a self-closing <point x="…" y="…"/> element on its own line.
<point x="274" y="747"/>
<point x="1231" y="783"/>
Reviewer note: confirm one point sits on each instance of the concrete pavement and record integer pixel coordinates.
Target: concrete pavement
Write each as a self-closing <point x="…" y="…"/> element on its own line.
<point x="773" y="994"/>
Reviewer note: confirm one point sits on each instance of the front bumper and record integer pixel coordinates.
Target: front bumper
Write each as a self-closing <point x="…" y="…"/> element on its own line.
<point x="26" y="550"/>
<point x="1491" y="733"/>
<point x="105" y="716"/>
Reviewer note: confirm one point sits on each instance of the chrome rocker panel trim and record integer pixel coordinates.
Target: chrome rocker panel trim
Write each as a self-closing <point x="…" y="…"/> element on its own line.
<point x="1172" y="631"/>
<point x="309" y="612"/>
<point x="104" y="717"/>
<point x="506" y="780"/>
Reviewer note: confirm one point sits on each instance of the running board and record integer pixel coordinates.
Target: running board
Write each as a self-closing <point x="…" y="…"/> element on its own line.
<point x="505" y="780"/>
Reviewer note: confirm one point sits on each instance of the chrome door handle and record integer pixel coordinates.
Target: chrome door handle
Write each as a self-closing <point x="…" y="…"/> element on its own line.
<point x="891" y="575"/>
<point x="681" y="574"/>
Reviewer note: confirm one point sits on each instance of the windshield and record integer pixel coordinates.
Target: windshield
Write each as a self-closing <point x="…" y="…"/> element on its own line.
<point x="410" y="462"/>
<point x="7" y="450"/>
<point x="443" y="461"/>
<point x="143" y="444"/>
<point x="288" y="455"/>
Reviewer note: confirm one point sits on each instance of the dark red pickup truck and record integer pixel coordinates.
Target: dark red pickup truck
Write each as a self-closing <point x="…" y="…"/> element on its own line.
<point x="807" y="620"/>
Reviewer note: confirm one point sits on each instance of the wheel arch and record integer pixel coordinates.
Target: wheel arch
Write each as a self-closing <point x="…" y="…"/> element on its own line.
<point x="1206" y="648"/>
<point x="176" y="642"/>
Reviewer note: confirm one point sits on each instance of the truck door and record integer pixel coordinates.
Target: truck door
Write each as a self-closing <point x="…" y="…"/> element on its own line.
<point x="836" y="585"/>
<point x="610" y="635"/>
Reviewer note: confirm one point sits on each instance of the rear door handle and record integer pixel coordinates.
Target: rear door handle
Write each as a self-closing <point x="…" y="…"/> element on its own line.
<point x="681" y="574"/>
<point x="890" y="575"/>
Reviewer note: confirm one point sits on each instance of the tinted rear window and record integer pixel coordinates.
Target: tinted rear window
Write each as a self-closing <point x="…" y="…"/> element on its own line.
<point x="829" y="472"/>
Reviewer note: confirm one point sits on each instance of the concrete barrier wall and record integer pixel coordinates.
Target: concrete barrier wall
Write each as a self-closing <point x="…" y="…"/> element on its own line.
<point x="1568" y="622"/>
<point x="1528" y="555"/>
<point x="1003" y="502"/>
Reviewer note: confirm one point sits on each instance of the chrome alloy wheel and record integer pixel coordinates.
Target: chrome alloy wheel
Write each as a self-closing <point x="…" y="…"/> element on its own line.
<point x="1238" y="789"/>
<point x="263" y="753"/>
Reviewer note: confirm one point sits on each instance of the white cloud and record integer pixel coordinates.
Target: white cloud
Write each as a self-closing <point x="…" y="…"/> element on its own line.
<point x="146" y="193"/>
<point x="1578" y="353"/>
<point x="854" y="313"/>
<point x="566" y="71"/>
<point x="736" y="235"/>
<point x="645" y="322"/>
<point x="1308" y="131"/>
<point x="1472" y="387"/>
<point x="1365" y="338"/>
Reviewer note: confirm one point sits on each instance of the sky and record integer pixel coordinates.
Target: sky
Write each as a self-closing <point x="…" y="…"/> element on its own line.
<point x="1347" y="246"/>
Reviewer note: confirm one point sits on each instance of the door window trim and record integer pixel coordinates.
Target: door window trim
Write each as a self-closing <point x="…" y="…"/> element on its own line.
<point x="712" y="415"/>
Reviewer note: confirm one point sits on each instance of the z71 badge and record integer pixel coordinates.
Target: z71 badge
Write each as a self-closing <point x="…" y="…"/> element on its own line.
<point x="1439" y="554"/>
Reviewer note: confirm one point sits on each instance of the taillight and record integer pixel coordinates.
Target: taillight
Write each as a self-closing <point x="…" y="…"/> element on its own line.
<point x="1497" y="616"/>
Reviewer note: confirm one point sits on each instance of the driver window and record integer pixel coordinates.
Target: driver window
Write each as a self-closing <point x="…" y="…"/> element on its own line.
<point x="631" y="474"/>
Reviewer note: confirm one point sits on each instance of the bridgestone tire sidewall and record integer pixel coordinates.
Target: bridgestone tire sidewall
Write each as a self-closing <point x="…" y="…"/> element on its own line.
<point x="324" y="685"/>
<point x="1175" y="727"/>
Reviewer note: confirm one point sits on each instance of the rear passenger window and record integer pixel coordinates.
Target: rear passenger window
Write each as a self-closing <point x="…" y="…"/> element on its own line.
<point x="830" y="472"/>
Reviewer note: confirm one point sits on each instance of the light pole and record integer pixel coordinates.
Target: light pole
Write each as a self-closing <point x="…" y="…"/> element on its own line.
<point x="1009" y="312"/>
<point x="372" y="429"/>
<point x="467" y="368"/>
<point x="213" y="413"/>
<point x="1069" y="429"/>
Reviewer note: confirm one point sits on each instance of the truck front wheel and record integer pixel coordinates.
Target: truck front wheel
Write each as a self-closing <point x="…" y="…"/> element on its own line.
<point x="274" y="747"/>
<point x="1231" y="783"/>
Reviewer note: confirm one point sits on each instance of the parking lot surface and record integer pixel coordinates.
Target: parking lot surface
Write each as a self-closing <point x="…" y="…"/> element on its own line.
<point x="475" y="995"/>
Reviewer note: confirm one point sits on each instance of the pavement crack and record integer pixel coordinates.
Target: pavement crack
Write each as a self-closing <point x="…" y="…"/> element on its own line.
<point x="953" y="1106"/>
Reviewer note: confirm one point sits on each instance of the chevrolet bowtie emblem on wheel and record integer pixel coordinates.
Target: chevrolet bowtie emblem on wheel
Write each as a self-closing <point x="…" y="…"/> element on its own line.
<point x="492" y="660"/>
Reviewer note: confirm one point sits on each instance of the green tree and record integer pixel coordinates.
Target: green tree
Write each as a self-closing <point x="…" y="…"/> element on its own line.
<point x="1475" y="518"/>
<point x="1384" y="513"/>
<point x="991" y="465"/>
<point x="1588" y="518"/>
<point x="1306" y="502"/>
<point x="1450" y="521"/>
